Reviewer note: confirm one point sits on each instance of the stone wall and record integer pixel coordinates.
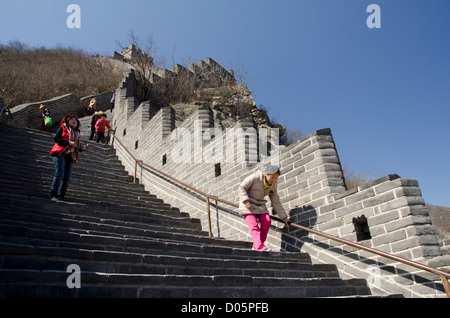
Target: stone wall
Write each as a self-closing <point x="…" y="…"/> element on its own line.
<point x="29" y="115"/>
<point x="311" y="187"/>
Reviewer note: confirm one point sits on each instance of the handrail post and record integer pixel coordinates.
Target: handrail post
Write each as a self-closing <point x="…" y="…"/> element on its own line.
<point x="135" y="170"/>
<point x="208" y="209"/>
<point x="446" y="285"/>
<point x="444" y="274"/>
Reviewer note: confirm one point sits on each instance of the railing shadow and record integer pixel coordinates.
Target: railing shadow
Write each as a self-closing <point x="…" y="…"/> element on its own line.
<point x="306" y="218"/>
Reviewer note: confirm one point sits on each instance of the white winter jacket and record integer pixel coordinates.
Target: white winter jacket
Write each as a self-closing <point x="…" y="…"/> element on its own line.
<point x="252" y="190"/>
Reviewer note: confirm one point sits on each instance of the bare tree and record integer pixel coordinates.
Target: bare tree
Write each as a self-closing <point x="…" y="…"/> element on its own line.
<point x="29" y="75"/>
<point x="163" y="86"/>
<point x="291" y="136"/>
<point x="140" y="55"/>
<point x="354" y="179"/>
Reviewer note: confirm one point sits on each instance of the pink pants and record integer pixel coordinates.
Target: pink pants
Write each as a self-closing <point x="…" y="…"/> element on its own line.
<point x="259" y="234"/>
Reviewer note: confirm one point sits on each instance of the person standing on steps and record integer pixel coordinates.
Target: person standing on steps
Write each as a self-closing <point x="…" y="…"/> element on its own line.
<point x="113" y="100"/>
<point x="94" y="119"/>
<point x="90" y="110"/>
<point x="46" y="118"/>
<point x="252" y="204"/>
<point x="100" y="128"/>
<point x="65" y="152"/>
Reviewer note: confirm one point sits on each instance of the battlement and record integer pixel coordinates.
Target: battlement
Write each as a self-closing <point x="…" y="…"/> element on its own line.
<point x="29" y="115"/>
<point x="201" y="152"/>
<point x="205" y="142"/>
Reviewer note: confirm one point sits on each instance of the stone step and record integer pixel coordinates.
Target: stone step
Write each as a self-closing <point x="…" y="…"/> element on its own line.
<point x="97" y="284"/>
<point x="155" y="262"/>
<point x="32" y="149"/>
<point x="104" y="199"/>
<point x="210" y="247"/>
<point x="81" y="191"/>
<point x="100" y="162"/>
<point x="123" y="212"/>
<point x="42" y="179"/>
<point x="61" y="221"/>
<point x="45" y="166"/>
<point x="79" y="235"/>
<point x="127" y="242"/>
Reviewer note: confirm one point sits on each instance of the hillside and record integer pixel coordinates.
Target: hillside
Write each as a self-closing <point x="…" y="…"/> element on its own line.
<point x="315" y="187"/>
<point x="34" y="74"/>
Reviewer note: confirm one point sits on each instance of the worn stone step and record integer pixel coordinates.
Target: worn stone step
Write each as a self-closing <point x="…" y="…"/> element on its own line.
<point x="59" y="222"/>
<point x="43" y="283"/>
<point x="87" y="206"/>
<point x="103" y="222"/>
<point x="41" y="149"/>
<point x="133" y="201"/>
<point x="212" y="248"/>
<point x="44" y="167"/>
<point x="100" y="237"/>
<point x="161" y="264"/>
<point x="93" y="217"/>
<point x="135" y="197"/>
<point x="127" y="242"/>
<point x="80" y="174"/>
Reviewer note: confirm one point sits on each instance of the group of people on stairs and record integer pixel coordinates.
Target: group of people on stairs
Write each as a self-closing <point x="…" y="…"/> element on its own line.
<point x="252" y="190"/>
<point x="98" y="122"/>
<point x="66" y="150"/>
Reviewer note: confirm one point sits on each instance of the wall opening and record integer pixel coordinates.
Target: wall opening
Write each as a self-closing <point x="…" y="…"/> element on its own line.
<point x="136" y="144"/>
<point x="164" y="159"/>
<point x="218" y="170"/>
<point x="361" y="228"/>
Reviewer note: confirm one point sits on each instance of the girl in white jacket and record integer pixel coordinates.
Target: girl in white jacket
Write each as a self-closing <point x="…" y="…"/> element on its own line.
<point x="252" y="204"/>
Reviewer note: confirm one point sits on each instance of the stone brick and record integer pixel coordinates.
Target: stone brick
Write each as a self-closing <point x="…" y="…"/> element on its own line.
<point x="385" y="217"/>
<point x="379" y="199"/>
<point x="311" y="185"/>
<point x="348" y="209"/>
<point x="360" y="196"/>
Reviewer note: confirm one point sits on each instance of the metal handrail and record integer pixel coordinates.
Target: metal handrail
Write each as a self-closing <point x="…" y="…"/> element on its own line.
<point x="445" y="276"/>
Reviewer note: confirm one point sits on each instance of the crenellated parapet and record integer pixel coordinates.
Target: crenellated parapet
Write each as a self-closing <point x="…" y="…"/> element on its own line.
<point x="190" y="143"/>
<point x="29" y="115"/>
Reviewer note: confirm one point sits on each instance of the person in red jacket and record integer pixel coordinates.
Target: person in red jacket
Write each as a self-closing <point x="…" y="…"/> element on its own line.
<point x="64" y="153"/>
<point x="100" y="128"/>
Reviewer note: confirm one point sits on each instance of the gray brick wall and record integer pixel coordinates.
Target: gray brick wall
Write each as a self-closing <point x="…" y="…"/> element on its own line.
<point x="311" y="187"/>
<point x="29" y="115"/>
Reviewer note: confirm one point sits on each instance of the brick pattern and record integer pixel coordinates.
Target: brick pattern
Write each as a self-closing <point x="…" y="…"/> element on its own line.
<point x="29" y="115"/>
<point x="312" y="189"/>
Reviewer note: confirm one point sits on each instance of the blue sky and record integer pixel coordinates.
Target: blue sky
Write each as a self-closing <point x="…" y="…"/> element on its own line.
<point x="385" y="93"/>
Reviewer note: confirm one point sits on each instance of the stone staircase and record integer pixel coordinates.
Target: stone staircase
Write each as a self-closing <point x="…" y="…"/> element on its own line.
<point x="127" y="242"/>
